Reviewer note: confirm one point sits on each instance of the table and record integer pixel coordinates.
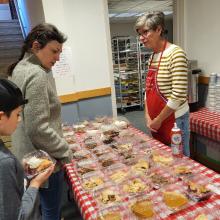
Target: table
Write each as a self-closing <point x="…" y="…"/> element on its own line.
<point x="206" y="123"/>
<point x="205" y="138"/>
<point x="88" y="206"/>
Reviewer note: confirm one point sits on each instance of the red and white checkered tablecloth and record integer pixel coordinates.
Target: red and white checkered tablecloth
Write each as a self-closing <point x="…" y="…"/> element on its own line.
<point x="88" y="207"/>
<point x="206" y="123"/>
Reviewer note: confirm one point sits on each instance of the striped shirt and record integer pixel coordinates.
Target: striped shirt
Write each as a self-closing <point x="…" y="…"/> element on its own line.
<point x="172" y="78"/>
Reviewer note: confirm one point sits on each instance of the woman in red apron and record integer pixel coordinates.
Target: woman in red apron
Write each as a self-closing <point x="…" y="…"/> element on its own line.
<point x="155" y="103"/>
<point x="167" y="73"/>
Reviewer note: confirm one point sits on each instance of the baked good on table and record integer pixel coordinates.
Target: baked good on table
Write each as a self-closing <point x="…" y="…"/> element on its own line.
<point x="159" y="180"/>
<point x="92" y="182"/>
<point x="174" y="199"/>
<point x="109" y="196"/>
<point x="197" y="188"/>
<point x="134" y="186"/>
<point x="165" y="160"/>
<point x="118" y="176"/>
<point x="143" y="209"/>
<point x="110" y="216"/>
<point x="182" y="170"/>
<point x="201" y="217"/>
<point x="140" y="167"/>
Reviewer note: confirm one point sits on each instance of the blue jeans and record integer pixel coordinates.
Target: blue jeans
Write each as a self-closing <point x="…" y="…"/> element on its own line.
<point x="183" y="123"/>
<point x="50" y="198"/>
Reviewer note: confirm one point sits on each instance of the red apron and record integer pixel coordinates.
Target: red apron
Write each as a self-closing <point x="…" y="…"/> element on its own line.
<point x="155" y="102"/>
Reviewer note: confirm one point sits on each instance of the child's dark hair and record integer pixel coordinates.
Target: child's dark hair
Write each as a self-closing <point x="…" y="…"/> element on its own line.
<point x="43" y="33"/>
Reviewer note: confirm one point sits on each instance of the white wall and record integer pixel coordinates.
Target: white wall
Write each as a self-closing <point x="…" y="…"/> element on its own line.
<point x="201" y="32"/>
<point x="84" y="23"/>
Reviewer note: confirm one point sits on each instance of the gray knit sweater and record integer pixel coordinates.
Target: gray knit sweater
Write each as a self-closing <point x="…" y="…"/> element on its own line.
<point x="13" y="203"/>
<point x="40" y="127"/>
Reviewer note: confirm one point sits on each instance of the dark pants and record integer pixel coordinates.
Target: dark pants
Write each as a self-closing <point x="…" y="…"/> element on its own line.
<point x="51" y="197"/>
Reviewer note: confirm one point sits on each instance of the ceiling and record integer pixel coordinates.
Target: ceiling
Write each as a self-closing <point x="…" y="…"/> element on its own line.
<point x="124" y="10"/>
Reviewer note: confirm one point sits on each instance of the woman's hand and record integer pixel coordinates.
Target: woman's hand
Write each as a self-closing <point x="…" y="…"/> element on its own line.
<point x="155" y="124"/>
<point x="37" y="181"/>
<point x="149" y="122"/>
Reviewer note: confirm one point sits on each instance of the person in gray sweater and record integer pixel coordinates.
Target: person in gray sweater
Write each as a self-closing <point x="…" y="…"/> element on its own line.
<point x="40" y="127"/>
<point x="15" y="204"/>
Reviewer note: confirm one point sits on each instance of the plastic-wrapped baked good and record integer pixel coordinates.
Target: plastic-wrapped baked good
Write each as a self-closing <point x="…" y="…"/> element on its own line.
<point x="143" y="209"/>
<point x="114" y="212"/>
<point x="141" y="167"/>
<point x="86" y="166"/>
<point x="117" y="172"/>
<point x="134" y="185"/>
<point x="108" y="159"/>
<point x="36" y="162"/>
<point x="79" y="128"/>
<point x="90" y="143"/>
<point x="82" y="155"/>
<point x="107" y="196"/>
<point x="70" y="139"/>
<point x="197" y="188"/>
<point x="93" y="180"/>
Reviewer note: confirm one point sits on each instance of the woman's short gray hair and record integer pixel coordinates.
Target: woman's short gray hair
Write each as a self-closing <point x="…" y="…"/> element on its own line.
<point x="152" y="20"/>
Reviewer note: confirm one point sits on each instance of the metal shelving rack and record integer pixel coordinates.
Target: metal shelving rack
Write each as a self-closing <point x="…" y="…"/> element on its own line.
<point x="129" y="64"/>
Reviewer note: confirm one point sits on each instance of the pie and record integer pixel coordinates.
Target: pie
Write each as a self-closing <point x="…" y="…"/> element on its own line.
<point x="174" y="199"/>
<point x="110" y="216"/>
<point x="143" y="209"/>
<point x="201" y="217"/>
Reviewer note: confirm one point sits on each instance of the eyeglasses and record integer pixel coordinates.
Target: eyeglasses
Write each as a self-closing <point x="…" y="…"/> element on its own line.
<point x="144" y="33"/>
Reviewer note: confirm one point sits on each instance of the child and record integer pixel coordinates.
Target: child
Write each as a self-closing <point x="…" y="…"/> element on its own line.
<point x="14" y="202"/>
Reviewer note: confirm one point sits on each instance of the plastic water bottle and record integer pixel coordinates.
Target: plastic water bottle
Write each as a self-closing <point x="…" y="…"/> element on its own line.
<point x="176" y="141"/>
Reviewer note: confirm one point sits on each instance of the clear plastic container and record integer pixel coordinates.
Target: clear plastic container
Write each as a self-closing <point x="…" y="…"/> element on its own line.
<point x="142" y="207"/>
<point x="160" y="177"/>
<point x="37" y="162"/>
<point x="174" y="197"/>
<point x="183" y="168"/>
<point x="135" y="185"/>
<point x="93" y="180"/>
<point x="162" y="158"/>
<point x="82" y="155"/>
<point x="102" y="150"/>
<point x="141" y="167"/>
<point x="80" y="128"/>
<point x="70" y="139"/>
<point x="113" y="212"/>
<point x="74" y="147"/>
<point x="86" y="166"/>
<point x="117" y="173"/>
<point x="90" y="143"/>
<point x="107" y="196"/>
<point x="108" y="159"/>
<point x="197" y="187"/>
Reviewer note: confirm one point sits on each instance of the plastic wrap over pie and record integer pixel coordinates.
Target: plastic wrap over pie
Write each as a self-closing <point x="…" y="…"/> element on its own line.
<point x="36" y="162"/>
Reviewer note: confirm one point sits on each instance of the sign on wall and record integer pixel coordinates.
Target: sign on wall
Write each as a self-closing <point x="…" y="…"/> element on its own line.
<point x="63" y="72"/>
